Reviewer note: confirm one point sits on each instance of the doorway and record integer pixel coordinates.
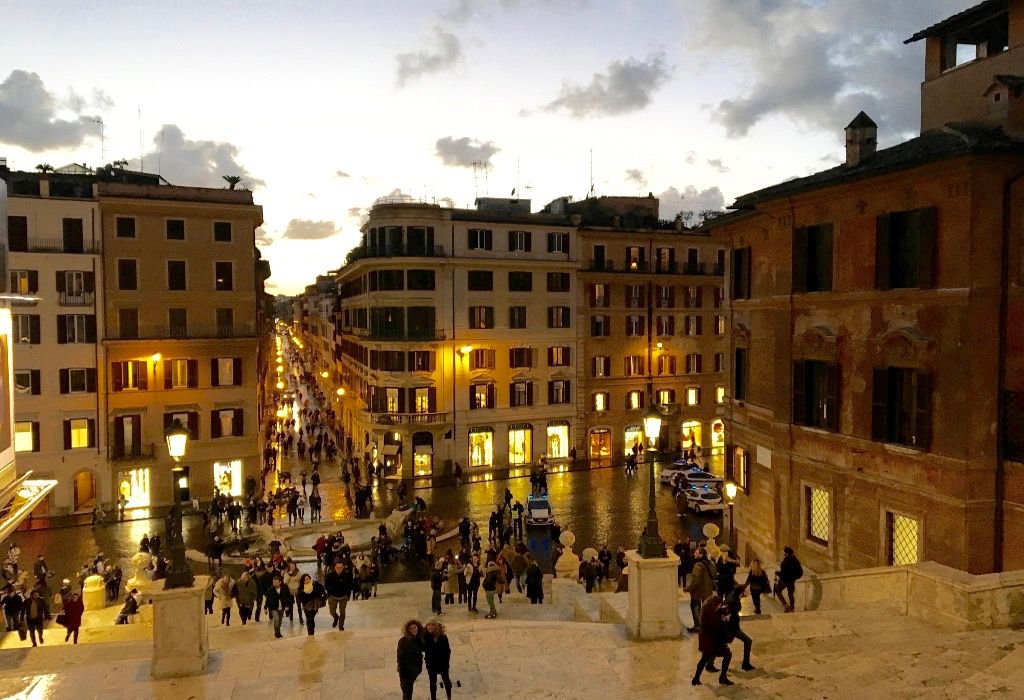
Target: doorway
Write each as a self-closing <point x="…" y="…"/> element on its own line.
<point x="85" y="490"/>
<point x="600" y="447"/>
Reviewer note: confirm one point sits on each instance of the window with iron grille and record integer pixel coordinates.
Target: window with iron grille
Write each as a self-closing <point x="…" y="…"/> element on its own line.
<point x="818" y="514"/>
<point x="902" y="538"/>
<point x="599" y="295"/>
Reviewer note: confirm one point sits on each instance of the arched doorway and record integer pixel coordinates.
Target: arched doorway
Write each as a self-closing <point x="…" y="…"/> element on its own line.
<point x="85" y="490"/>
<point x="423" y="454"/>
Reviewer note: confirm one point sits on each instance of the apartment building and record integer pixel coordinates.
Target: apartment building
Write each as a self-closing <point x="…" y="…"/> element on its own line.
<point x="874" y="412"/>
<point x="94" y="390"/>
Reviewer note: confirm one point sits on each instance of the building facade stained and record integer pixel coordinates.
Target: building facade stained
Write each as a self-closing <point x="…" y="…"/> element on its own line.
<point x="875" y="346"/>
<point x="147" y="305"/>
<point x="491" y="338"/>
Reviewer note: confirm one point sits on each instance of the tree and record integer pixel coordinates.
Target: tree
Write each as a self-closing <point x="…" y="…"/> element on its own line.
<point x="44" y="168"/>
<point x="232" y="180"/>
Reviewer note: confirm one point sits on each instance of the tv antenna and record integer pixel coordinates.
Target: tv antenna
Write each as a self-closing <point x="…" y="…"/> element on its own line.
<point x="99" y="120"/>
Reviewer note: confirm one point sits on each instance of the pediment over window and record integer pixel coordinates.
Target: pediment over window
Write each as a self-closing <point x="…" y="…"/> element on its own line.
<point x="903" y="346"/>
<point x="818" y="343"/>
<point x="741" y="334"/>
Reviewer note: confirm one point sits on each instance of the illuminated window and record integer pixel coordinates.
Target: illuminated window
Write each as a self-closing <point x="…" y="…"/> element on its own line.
<point x="227" y="477"/>
<point x="633" y="436"/>
<point x="422" y="400"/>
<point x="902" y="539"/>
<point x="666" y="396"/>
<point x="481" y="447"/>
<point x="21" y="282"/>
<point x="392" y="400"/>
<point x="693" y="396"/>
<point x="178" y="370"/>
<point x="634" y="400"/>
<point x="601" y="401"/>
<point x="558" y="440"/>
<point x="26" y="436"/>
<point x="520" y="445"/>
<point x="80" y="433"/>
<point x="719" y="394"/>
<point x="818" y="507"/>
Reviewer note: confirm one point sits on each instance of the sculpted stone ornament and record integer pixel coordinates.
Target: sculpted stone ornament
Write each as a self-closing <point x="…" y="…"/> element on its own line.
<point x="712" y="549"/>
<point x="568" y="565"/>
<point x="140" y="579"/>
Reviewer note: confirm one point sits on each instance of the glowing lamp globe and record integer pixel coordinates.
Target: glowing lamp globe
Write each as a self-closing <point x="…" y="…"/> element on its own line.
<point x="176" y="435"/>
<point x="652" y="424"/>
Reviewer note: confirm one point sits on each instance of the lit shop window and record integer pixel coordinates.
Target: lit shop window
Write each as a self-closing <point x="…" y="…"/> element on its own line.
<point x="520" y="445"/>
<point x="558" y="441"/>
<point x="481" y="447"/>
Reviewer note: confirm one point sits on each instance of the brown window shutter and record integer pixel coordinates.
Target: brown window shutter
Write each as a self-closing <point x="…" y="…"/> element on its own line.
<point x="67" y="435"/>
<point x="238" y="423"/>
<point x="551" y="392"/>
<point x="117" y="376"/>
<point x="193" y="425"/>
<point x="922" y="416"/>
<point x="143" y="375"/>
<point x="118" y="437"/>
<point x="800" y="237"/>
<point x="137" y="432"/>
<point x="825" y="252"/>
<point x="62" y="326"/>
<point x="90" y="379"/>
<point x="167" y="374"/>
<point x="492" y="396"/>
<point x="35" y="436"/>
<point x="832" y="396"/>
<point x="882" y="246"/>
<point x="472" y="396"/>
<point x="91" y="431"/>
<point x="215" y="424"/>
<point x="192" y="372"/>
<point x="37" y="385"/>
<point x="432" y="399"/>
<point x="529" y="393"/>
<point x="65" y="381"/>
<point x="61" y="281"/>
<point x="700" y="325"/>
<point x="800" y="393"/>
<point x="926" y="225"/>
<point x="512" y="400"/>
<point x="879" y="404"/>
<point x="401" y="400"/>
<point x="168" y="419"/>
<point x="214" y="373"/>
<point x="90" y="281"/>
<point x="90" y="329"/>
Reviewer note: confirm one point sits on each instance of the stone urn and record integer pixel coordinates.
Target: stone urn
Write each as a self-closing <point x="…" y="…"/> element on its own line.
<point x="568" y="565"/>
<point x="712" y="549"/>
<point x="94" y="594"/>
<point x="140" y="579"/>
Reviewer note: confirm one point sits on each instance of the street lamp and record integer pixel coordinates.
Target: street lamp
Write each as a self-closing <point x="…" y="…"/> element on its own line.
<point x="651" y="544"/>
<point x="179" y="574"/>
<point x="730" y="494"/>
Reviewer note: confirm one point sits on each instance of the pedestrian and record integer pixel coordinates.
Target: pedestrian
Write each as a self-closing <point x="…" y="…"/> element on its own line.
<point x="790" y="571"/>
<point x="410" y="657"/>
<point x="262" y="576"/>
<point x="246" y="596"/>
<point x="727" y="567"/>
<point x="437" y="579"/>
<point x="34" y="612"/>
<point x="702" y="585"/>
<point x="472" y="573"/>
<point x="73" y="610"/>
<point x="311" y="598"/>
<point x="756" y="583"/>
<point x="223" y="591"/>
<point x="208" y="596"/>
<point x="437" y="652"/>
<point x="713" y="640"/>
<point x="490" y="588"/>
<point x="451" y="579"/>
<point x="519" y="567"/>
<point x="733" y="630"/>
<point x="278" y="599"/>
<point x="338" y="585"/>
<point x="534" y="581"/>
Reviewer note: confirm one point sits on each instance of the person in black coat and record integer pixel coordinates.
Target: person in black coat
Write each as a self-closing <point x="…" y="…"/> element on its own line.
<point x="278" y="599"/>
<point x="790" y="571"/>
<point x="410" y="656"/>
<point x="34" y="611"/>
<point x="437" y="652"/>
<point x="534" y="581"/>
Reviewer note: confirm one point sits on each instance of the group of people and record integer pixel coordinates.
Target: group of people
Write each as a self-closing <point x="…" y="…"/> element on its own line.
<point x="27" y="600"/>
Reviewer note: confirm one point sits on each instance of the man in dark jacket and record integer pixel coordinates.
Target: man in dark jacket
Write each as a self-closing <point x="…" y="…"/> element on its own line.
<point x="262" y="578"/>
<point x="790" y="571"/>
<point x="278" y="599"/>
<point x="702" y="585"/>
<point x="338" y="583"/>
<point x="34" y="611"/>
<point x="534" y="581"/>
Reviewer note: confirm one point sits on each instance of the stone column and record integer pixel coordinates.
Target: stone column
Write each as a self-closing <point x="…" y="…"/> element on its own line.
<point x="181" y="643"/>
<point x="653" y="597"/>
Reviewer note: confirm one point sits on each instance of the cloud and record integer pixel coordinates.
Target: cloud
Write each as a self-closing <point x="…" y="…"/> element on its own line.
<point x="341" y="174"/>
<point x="263" y="238"/>
<point x="673" y="201"/>
<point x="464" y="152"/>
<point x="307" y="230"/>
<point x="355" y="212"/>
<point x="818" y="63"/>
<point x="446" y="52"/>
<point x="183" y="161"/>
<point x="29" y="115"/>
<point x="718" y="165"/>
<point x="691" y="157"/>
<point x="627" y="86"/>
<point x="637" y="177"/>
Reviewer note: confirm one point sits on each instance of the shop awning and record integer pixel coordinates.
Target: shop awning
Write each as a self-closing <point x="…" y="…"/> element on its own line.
<point x="391" y="450"/>
<point x="18" y="499"/>
<point x="423" y="449"/>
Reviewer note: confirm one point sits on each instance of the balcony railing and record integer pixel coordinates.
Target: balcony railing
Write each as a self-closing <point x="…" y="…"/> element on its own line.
<point x="119" y="452"/>
<point x="53" y="245"/>
<point x="397" y="335"/>
<point x="82" y="299"/>
<point x="190" y="332"/>
<point x="398" y="251"/>
<point x="409" y="418"/>
<point x="658" y="267"/>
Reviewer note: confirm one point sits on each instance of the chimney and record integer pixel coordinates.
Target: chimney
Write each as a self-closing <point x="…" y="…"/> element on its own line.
<point x="861" y="140"/>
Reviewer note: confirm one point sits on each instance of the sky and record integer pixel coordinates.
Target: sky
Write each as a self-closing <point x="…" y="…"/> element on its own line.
<point x="322" y="107"/>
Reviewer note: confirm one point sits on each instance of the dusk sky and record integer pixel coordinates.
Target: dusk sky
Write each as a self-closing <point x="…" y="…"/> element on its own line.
<point x="323" y="107"/>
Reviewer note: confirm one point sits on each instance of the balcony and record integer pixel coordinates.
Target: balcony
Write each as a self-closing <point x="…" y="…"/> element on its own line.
<point x="409" y="418"/>
<point x="81" y="299"/>
<point x="666" y="267"/>
<point x="397" y="335"/>
<point x="118" y="453"/>
<point x="600" y="266"/>
<point x="190" y="332"/>
<point x="53" y="245"/>
<point x="397" y="251"/>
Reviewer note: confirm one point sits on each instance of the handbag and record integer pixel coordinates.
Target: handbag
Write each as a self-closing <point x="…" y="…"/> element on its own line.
<point x="60" y="619"/>
<point x="22" y="632"/>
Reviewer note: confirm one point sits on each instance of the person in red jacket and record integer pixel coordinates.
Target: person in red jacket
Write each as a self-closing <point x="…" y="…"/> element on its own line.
<point x="714" y="639"/>
<point x="73" y="609"/>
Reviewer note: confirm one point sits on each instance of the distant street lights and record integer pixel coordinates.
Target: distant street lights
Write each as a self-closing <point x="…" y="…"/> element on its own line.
<point x="651" y="544"/>
<point x="179" y="574"/>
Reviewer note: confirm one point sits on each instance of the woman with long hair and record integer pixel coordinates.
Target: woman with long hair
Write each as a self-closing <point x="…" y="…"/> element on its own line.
<point x="311" y="597"/>
<point x="437" y="653"/>
<point x="757" y="584"/>
<point x="410" y="656"/>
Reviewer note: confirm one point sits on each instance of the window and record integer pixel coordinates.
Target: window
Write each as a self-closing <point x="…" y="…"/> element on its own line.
<point x="421" y="361"/>
<point x="905" y="249"/>
<point x="482" y="396"/>
<point x="81" y="380"/>
<point x="386" y="280"/>
<point x="599" y="295"/>
<point x="17" y="233"/>
<point x="520" y="445"/>
<point x="75" y="283"/>
<point x="391" y="400"/>
<point x="558" y="281"/>
<point x="226" y="371"/>
<point x="222" y="231"/>
<point x="601" y="366"/>
<point x="26" y="329"/>
<point x="74" y="237"/>
<point x="812" y="259"/>
<point x="666" y="259"/>
<point x="741" y="273"/>
<point x="174" y="229"/>
<point x="693" y="326"/>
<point x="558" y="242"/>
<point x="132" y="374"/>
<point x="558" y="391"/>
<point x="181" y="374"/>
<point x="902" y="538"/>
<point x="176" y="275"/>
<point x="634" y="400"/>
<point x="598" y="262"/>
<point x="227" y="422"/>
<point x="635" y="259"/>
<point x="76" y="328"/>
<point x="635" y="325"/>
<point x="127" y="274"/>
<point x="717" y="297"/>
<point x="517" y="317"/>
<point x="666" y="296"/>
<point x="901" y="407"/>
<point x="480" y="281"/>
<point x="481" y="447"/>
<point x="666" y="365"/>
<point x="558" y="317"/>
<point x="419" y="279"/>
<point x="26" y="381"/>
<point x="600" y="326"/>
<point x="520" y="281"/>
<point x="24" y="281"/>
<point x="481" y="317"/>
<point x="666" y="396"/>
<point x="520" y="357"/>
<point x="719" y="325"/>
<point x="636" y="296"/>
<point x="693" y="396"/>
<point x="738" y="467"/>
<point x="26" y="436"/>
<point x="559" y="356"/>
<point x="79" y="432"/>
<point x="224" y="277"/>
<point x="481" y="358"/>
<point x="719" y="361"/>
<point x="519" y="241"/>
<point x="177" y="320"/>
<point x="424" y="399"/>
<point x="225" y="322"/>
<point x="128" y="323"/>
<point x="816" y="394"/>
<point x="125" y="226"/>
<point x="694" y="363"/>
<point x="480" y="239"/>
<point x="665" y="325"/>
<point x="818" y="509"/>
<point x="739" y="375"/>
<point x="520" y="394"/>
<point x="694" y="297"/>
<point x="558" y="439"/>
<point x="633" y="365"/>
<point x="719" y="394"/>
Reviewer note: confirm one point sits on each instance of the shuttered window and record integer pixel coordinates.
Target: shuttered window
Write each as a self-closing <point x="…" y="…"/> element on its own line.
<point x="901" y="407"/>
<point x="905" y="249"/>
<point x="812" y="259"/>
<point x="741" y="273"/>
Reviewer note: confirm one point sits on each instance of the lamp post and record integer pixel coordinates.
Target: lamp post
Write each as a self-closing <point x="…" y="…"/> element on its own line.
<point x="730" y="494"/>
<point x="651" y="544"/>
<point x="179" y="574"/>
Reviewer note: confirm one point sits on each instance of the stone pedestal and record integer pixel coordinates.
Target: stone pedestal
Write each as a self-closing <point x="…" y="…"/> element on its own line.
<point x="94" y="593"/>
<point x="653" y="597"/>
<point x="181" y="643"/>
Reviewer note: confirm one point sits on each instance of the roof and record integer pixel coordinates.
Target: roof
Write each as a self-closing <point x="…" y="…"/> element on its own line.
<point x="954" y="141"/>
<point x="1014" y="82"/>
<point x="969" y="16"/>
<point x="862" y="120"/>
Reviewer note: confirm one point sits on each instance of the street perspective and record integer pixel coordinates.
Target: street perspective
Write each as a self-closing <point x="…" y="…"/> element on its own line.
<point x="512" y="349"/>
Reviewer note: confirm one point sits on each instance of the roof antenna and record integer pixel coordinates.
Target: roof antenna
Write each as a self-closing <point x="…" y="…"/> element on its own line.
<point x="590" y="192"/>
<point x="99" y="120"/>
<point x="142" y="162"/>
<point x="159" y="150"/>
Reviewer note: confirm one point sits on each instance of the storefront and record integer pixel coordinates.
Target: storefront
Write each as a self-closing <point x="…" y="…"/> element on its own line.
<point x="481" y="447"/>
<point x="520" y="444"/>
<point x="558" y="440"/>
<point x="717" y="435"/>
<point x="227" y="478"/>
<point x="690" y="435"/>
<point x="133" y="484"/>
<point x="600" y="446"/>
<point x="633" y="435"/>
<point x="423" y="454"/>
